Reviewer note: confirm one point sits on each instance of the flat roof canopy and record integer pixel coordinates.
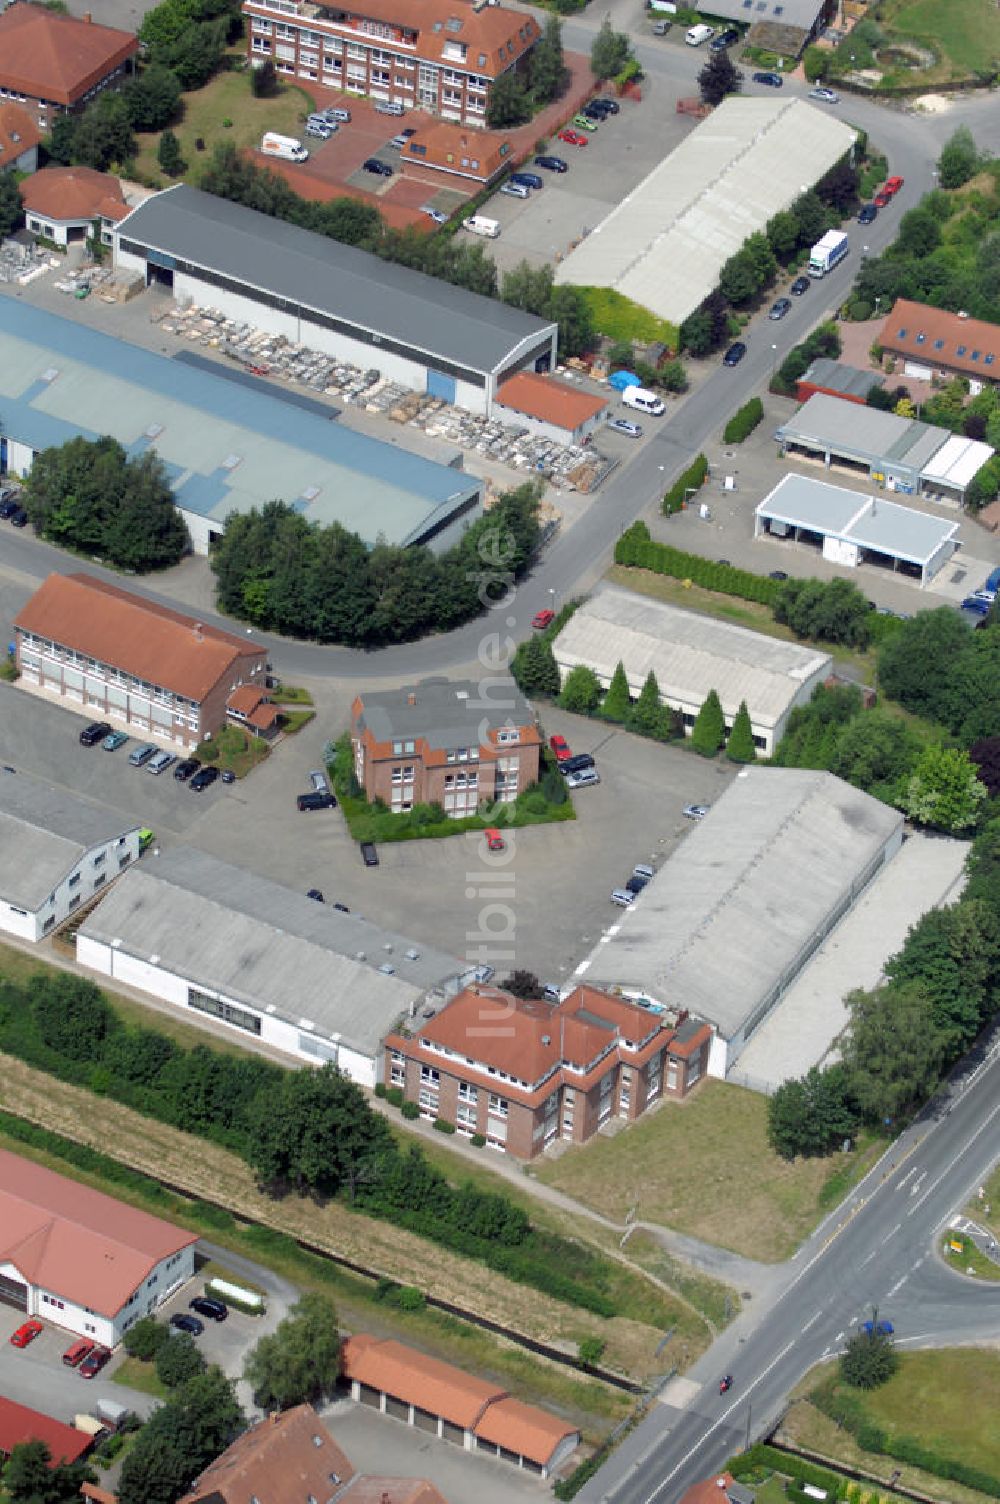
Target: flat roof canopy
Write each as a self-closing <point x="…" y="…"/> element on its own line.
<point x="858" y="517"/>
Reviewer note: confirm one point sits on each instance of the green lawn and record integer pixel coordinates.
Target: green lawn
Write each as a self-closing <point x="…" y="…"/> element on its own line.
<point x="135" y="1374"/>
<point x="970" y="1261"/>
<point x="966" y="32"/>
<point x="626" y="322"/>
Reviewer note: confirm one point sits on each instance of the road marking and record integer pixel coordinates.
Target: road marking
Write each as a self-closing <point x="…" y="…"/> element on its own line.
<point x="914" y="1188"/>
<point x="899" y="1284"/>
<point x="952" y="1163"/>
<point x="893" y="1233"/>
<point x="812" y="1321"/>
<point x="839" y="1337"/>
<point x="868" y="1259"/>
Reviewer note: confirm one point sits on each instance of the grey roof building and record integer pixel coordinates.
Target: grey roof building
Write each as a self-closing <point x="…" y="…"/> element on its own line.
<point x="837" y="379"/>
<point x="804" y="15"/>
<point x="893" y="452"/>
<point x="332" y="297"/>
<point x="690" y="655"/>
<point x="443" y="712"/>
<point x="736" y="913"/>
<point x="302" y="977"/>
<point x="855" y="527"/>
<point x="56" y="852"/>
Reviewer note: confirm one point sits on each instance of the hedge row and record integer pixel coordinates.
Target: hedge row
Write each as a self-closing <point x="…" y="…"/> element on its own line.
<point x="635" y="548"/>
<point x="690" y="479"/>
<point x="848" y="1411"/>
<point x="743" y="422"/>
<point x="761" y="1456"/>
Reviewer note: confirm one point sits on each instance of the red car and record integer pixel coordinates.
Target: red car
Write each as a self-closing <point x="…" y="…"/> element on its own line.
<point x="543" y="618"/>
<point x="94" y="1362"/>
<point x="893" y="185"/>
<point x="494" y="840"/>
<point x="882" y="198"/>
<point x="26" y="1332"/>
<point x="560" y="747"/>
<point x="574" y="138"/>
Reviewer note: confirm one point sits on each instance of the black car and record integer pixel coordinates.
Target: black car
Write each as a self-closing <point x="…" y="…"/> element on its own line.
<point x="724" y="39"/>
<point x="94" y="733"/>
<point x="182" y="1322"/>
<point x="228" y="776"/>
<point x="215" y="1310"/>
<point x="368" y="854"/>
<point x="636" y="884"/>
<point x="866" y="214"/>
<point x="380" y="169"/>
<point x="9" y="506"/>
<point x="773" y="80"/>
<point x="342" y="907"/>
<point x="203" y="779"/>
<point x="19" y="518"/>
<point x="314" y="800"/>
<point x="600" y="108"/>
<point x="184" y="769"/>
<point x="553" y="164"/>
<point x="576" y="764"/>
<point x="799" y="286"/>
<point x="735" y="353"/>
<point x="316" y="894"/>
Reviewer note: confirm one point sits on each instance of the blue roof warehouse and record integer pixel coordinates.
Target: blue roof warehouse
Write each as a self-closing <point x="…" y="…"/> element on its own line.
<point x="227" y="447"/>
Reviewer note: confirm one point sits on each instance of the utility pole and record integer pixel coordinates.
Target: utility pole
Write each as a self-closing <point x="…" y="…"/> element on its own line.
<point x="746" y="1447"/>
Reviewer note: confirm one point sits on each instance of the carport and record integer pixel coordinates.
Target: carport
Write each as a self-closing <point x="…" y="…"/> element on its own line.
<point x="951" y="470"/>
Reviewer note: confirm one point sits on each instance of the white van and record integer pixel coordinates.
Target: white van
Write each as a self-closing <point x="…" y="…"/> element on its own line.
<point x="643" y="401"/>
<point x="480" y="225"/>
<point x="699" y="34"/>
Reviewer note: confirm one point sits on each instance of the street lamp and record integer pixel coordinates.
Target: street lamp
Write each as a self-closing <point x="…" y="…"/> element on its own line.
<point x="774" y="361"/>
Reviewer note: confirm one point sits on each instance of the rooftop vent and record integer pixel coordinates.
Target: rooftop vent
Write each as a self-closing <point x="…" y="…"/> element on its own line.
<point x="412" y="955"/>
<point x="387" y="948"/>
<point x="154" y="430"/>
<point x="546" y="1039"/>
<point x="231" y="461"/>
<point x="360" y="956"/>
<point x="154" y="960"/>
<point x="310" y="493"/>
<point x="50" y="374"/>
<point x="461" y="694"/>
<point x="387" y="970"/>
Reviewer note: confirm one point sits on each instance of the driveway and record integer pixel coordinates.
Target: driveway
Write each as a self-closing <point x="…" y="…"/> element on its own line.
<point x="37" y="1376"/>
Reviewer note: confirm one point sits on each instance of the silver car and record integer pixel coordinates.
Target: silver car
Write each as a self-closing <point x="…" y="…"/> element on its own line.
<point x="582" y="779"/>
<point x="318" y="781"/>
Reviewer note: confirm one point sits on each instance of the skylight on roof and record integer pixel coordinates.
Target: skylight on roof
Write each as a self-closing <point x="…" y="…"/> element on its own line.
<point x="453" y="23"/>
<point x="902" y="333"/>
<point x="976" y="354"/>
<point x="961" y="349"/>
<point x="939" y="344"/>
<point x="921" y="338"/>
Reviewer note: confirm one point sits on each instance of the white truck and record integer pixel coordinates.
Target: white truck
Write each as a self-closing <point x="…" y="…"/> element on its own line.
<point x="285" y="147"/>
<point x="827" y="252"/>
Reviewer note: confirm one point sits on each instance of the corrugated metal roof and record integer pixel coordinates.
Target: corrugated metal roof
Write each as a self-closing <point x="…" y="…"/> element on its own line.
<point x="664" y="245"/>
<point x="957" y="462"/>
<point x="864" y="432"/>
<point x="338" y="281"/>
<point x="838" y="377"/>
<point x="44" y="832"/>
<point x="744" y="895"/>
<point x="690" y="654"/>
<point x="59" y="379"/>
<point x="870" y="521"/>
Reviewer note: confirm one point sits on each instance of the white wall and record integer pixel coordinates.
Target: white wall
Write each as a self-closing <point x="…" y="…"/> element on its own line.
<point x="53" y="1306"/>
<point x="19" y="922"/>
<point x="840" y="551"/>
<point x="20" y="457"/>
<point x="547" y="430"/>
<point x="80" y="883"/>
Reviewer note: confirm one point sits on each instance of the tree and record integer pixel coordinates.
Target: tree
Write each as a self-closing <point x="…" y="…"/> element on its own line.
<point x="178" y="1360"/>
<point x="610" y="51"/>
<point x="300" y="1361"/>
<point x="943" y="790"/>
<point x="581" y="692"/>
<point x="709" y="730"/>
<point x="534" y="667"/>
<point x="812" y="1115"/>
<point x="10" y="204"/>
<point x="523" y="984"/>
<point x="738" y="278"/>
<point x="815" y="61"/>
<point x="892" y="1054"/>
<point x="548" y="67"/>
<point x="72" y="1015"/>
<point x="983" y="867"/>
<point x="196" y="54"/>
<point x="740" y="746"/>
<point x="263" y="79"/>
<point x="959" y="159"/>
<point x="180" y="1438"/>
<point x="30" y="1478"/>
<point x="719" y="77"/>
<point x="168" y="154"/>
<point x="869" y="1359"/>
<point x="61" y="144"/>
<point x="875" y="752"/>
<point x="954" y="955"/>
<point x="617" y="704"/>
<point x="811" y="215"/>
<point x="916" y="664"/>
<point x="985" y="753"/>
<point x="152" y="98"/>
<point x="508" y="103"/>
<point x="569" y="308"/>
<point x="783" y="234"/>
<point x="649" y="717"/>
<point x="315" y="1131"/>
<point x="839" y="186"/>
<point x="144" y="1340"/>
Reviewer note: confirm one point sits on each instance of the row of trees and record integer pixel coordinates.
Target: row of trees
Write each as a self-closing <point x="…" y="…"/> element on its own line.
<point x="825" y="610"/>
<point x="936" y="668"/>
<point x="280" y="572"/>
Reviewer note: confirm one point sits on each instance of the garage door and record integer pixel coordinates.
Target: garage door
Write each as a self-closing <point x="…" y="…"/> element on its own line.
<point x="13" y="1293"/>
<point x="913" y="368"/>
<point x="439" y="385"/>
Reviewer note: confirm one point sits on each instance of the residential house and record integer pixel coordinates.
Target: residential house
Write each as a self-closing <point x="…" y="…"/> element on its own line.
<point x="457" y="744"/>
<point x="524" y="1073"/>
<point x="19" y="138"/>
<point x="53" y="64"/>
<point x="934" y="343"/>
<point x="64" y="204"/>
<point x="126" y="658"/>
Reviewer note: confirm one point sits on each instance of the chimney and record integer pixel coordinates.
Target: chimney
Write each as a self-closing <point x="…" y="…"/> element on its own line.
<point x="411" y="698"/>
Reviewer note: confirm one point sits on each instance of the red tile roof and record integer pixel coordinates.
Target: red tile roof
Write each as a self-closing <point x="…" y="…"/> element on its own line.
<point x="552" y="401"/>
<point x="77" y="1243"/>
<point x="709" y="1491"/>
<point x="459" y="149"/>
<point x="18" y="133"/>
<point x="136" y="635"/>
<point x="366" y="1490"/>
<point x="284" y="1459"/>
<point x="524" y="1429"/>
<point x="417" y="1379"/>
<point x="74" y="193"/>
<point x="48" y="56"/>
<point x="18" y="1424"/>
<point x="913" y="329"/>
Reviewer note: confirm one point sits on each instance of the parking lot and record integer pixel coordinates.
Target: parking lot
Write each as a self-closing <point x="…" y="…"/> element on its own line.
<point x="37" y="1376"/>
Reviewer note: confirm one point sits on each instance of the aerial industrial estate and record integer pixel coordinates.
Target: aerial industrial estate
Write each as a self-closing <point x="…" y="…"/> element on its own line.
<point x="499" y="751"/>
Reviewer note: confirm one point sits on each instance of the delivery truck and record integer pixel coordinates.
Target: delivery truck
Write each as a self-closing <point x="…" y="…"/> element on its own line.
<point x="827" y="252"/>
<point x="285" y="147"/>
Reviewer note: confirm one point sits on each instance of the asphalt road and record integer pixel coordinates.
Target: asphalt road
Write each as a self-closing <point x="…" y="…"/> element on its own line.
<point x="877" y="1249"/>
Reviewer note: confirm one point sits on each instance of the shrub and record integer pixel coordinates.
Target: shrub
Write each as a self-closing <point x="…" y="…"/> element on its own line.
<point x="409" y="1298"/>
<point x="689" y="479"/>
<point x="443" y="1126"/>
<point x="380" y="1089"/>
<point x="410" y="1110"/>
<point x="743" y="422"/>
<point x="636" y="549"/>
<point x="394" y="1095"/>
<point x="478" y="1140"/>
<point x="591" y="1350"/>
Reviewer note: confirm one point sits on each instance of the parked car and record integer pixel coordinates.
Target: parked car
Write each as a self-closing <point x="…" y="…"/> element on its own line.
<point x="369" y="855"/>
<point x="207" y="1305"/>
<point x="893" y="185"/>
<point x="146" y="839"/>
<point x="696" y="811"/>
<point x="400" y="141"/>
<point x="203" y="779"/>
<point x="515" y="190"/>
<point x="9" y="503"/>
<point x="227" y="775"/>
<point x="552" y="164"/>
<point x="139" y="756"/>
<point x="560" y="746"/>
<point x="866" y="214"/>
<point x="779" y="308"/>
<point x="318" y="781"/>
<point x="636" y="884"/>
<point x="576" y="764"/>
<point x="26" y="1332"/>
<point x="19" y="518"/>
<point x="379" y="169"/>
<point x="799" y="286"/>
<point x="778" y="574"/>
<point x="316" y="894"/>
<point x="182" y="1322"/>
<point x="883" y="198"/>
<point x="572" y="138"/>
<point x="77" y="1351"/>
<point x="583" y="779"/>
<point x="543" y="619"/>
<point x="435" y="214"/>
<point x="992" y="581"/>
<point x="825" y="96"/>
<point x="605" y="104"/>
<point x="622" y="897"/>
<point x="724" y="39"/>
<point x="184" y="769"/>
<point x="735" y="353"/>
<point x="494" y="840"/>
<point x="622" y="425"/>
<point x="315" y="800"/>
<point x="584" y="123"/>
<point x="94" y="1362"/>
<point x="114" y="740"/>
<point x="773" y="80"/>
<point x="641" y="869"/>
<point x="528" y="179"/>
<point x="660" y="28"/>
<point x="94" y="733"/>
<point x="981" y="602"/>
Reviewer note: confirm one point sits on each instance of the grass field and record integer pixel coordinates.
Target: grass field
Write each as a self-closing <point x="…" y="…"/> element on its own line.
<point x="965" y="32"/>
<point x="704" y="1167"/>
<point x="135" y="1374"/>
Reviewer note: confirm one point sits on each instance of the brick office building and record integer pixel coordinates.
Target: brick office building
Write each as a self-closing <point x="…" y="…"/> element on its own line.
<point x="440" y="743"/>
<point x="524" y="1073"/>
<point x="123" y="657"/>
<point x="53" y="64"/>
<point x="442" y="56"/>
